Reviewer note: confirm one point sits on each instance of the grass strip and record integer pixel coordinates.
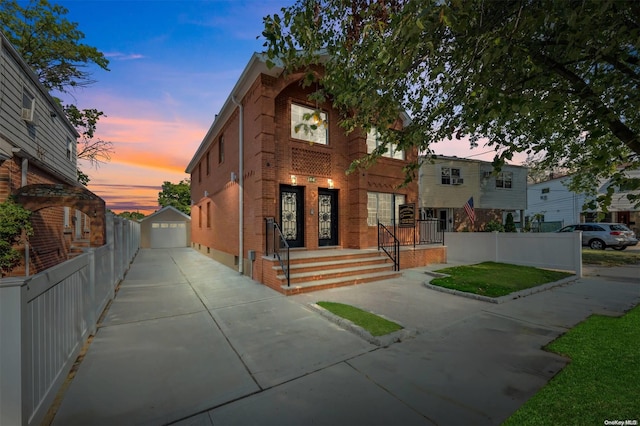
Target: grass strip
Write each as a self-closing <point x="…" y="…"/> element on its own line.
<point x="374" y="324"/>
<point x="610" y="258"/>
<point x="602" y="382"/>
<point x="494" y="279"/>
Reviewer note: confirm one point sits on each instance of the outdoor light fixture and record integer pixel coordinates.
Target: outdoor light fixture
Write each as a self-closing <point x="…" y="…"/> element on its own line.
<point x="330" y="182"/>
<point x="294" y="180"/>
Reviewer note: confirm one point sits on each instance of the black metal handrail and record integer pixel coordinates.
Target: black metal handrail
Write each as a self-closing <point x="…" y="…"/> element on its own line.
<point x="278" y="246"/>
<point x="388" y="242"/>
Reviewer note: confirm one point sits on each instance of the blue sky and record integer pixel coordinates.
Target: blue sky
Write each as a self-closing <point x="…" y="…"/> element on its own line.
<point x="172" y="66"/>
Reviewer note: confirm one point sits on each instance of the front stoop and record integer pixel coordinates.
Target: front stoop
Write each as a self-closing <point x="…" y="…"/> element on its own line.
<point x="320" y="270"/>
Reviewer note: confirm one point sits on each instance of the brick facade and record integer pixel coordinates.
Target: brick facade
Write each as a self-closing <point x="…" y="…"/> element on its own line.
<point x="271" y="156"/>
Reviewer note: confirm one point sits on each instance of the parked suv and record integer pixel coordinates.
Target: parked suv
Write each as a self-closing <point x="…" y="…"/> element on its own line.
<point x="599" y="236"/>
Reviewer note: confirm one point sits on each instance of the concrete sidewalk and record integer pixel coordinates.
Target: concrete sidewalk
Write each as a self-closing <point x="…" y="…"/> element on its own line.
<point x="188" y="340"/>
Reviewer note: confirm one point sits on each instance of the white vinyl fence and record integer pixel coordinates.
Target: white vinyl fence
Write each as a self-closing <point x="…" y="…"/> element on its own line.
<point x="45" y="319"/>
<point x="549" y="250"/>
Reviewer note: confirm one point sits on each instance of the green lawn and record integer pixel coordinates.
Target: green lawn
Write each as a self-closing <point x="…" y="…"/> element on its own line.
<point x="602" y="382"/>
<point x="610" y="258"/>
<point x="495" y="279"/>
<point x="374" y="324"/>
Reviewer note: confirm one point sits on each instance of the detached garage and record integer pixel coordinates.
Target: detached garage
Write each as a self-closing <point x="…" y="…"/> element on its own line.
<point x="166" y="228"/>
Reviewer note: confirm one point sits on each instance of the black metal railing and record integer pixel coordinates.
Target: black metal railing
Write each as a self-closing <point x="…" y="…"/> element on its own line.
<point x="430" y="231"/>
<point x="388" y="242"/>
<point x="426" y="231"/>
<point x="277" y="246"/>
<point x="422" y="232"/>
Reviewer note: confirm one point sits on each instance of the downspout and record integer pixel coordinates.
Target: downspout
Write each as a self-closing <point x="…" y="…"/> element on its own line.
<point x="24" y="182"/>
<point x="240" y="184"/>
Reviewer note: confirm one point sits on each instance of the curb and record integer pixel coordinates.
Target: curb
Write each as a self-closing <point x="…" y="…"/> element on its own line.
<point x="382" y="341"/>
<point x="498" y="300"/>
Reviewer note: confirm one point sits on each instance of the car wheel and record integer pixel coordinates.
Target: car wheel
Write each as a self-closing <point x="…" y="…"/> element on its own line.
<point x="619" y="248"/>
<point x="597" y="244"/>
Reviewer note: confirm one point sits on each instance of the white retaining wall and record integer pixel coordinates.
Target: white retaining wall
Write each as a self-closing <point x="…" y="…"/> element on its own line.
<point x="549" y="250"/>
<point x="45" y="320"/>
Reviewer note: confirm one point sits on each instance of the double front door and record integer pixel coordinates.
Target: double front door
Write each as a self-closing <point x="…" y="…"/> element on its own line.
<point x="292" y="215"/>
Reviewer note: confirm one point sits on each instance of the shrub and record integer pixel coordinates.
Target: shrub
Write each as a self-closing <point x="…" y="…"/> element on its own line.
<point x="509" y="224"/>
<point x="14" y="219"/>
<point x="493" y="225"/>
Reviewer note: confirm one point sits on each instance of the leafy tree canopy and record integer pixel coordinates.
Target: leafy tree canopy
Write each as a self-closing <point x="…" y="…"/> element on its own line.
<point x="50" y="43"/>
<point x="177" y="195"/>
<point x="556" y="79"/>
<point x="132" y="215"/>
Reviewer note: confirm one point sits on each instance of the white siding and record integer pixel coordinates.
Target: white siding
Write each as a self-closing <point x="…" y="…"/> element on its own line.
<point x="556" y="203"/>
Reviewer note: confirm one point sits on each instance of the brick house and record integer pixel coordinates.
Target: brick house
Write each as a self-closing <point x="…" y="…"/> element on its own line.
<point x="38" y="167"/>
<point x="253" y="160"/>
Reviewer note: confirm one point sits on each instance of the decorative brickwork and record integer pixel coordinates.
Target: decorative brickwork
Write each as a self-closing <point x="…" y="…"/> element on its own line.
<point x="310" y="162"/>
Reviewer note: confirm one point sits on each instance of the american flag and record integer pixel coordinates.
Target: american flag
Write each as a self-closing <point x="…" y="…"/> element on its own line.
<point x="468" y="207"/>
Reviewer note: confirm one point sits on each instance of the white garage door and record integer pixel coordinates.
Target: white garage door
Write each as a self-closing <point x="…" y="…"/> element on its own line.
<point x="168" y="234"/>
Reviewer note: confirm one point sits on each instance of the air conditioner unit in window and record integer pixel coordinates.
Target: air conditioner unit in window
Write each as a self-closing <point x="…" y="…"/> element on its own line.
<point x="457" y="181"/>
<point x="27" y="114"/>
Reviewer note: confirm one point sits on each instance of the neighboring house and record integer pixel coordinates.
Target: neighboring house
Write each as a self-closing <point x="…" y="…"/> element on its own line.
<point x="447" y="183"/>
<point x="551" y="205"/>
<point x="253" y="165"/>
<point x="166" y="228"/>
<point x="38" y="166"/>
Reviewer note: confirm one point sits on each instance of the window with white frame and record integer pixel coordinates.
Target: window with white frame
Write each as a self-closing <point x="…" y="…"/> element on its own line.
<point x="504" y="180"/>
<point x="28" y="105"/>
<point x="450" y="176"/>
<point x="373" y="141"/>
<point x="313" y="129"/>
<point x="383" y="207"/>
<point x="69" y="149"/>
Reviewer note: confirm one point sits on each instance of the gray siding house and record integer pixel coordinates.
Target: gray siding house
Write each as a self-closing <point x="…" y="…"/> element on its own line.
<point x="38" y="163"/>
<point x="447" y="183"/>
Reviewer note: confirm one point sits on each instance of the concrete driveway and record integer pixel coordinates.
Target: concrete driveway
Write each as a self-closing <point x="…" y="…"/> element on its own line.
<point x="191" y="342"/>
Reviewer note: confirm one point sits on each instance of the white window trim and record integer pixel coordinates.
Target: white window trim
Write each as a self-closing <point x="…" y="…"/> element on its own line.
<point x="315" y="136"/>
<point x="372" y="136"/>
<point x="396" y="201"/>
<point x="450" y="175"/>
<point x="28" y="111"/>
<point x="501" y="177"/>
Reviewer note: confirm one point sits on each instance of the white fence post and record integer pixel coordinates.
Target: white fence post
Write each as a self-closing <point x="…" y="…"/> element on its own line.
<point x="91" y="289"/>
<point x="13" y="352"/>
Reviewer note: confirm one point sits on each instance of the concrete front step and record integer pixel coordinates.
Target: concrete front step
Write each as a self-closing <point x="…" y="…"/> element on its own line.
<point x="312" y="266"/>
<point x="314" y="270"/>
<point x="324" y="284"/>
<point x="314" y="276"/>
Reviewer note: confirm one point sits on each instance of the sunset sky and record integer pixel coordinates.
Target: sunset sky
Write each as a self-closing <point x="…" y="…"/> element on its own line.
<point x="172" y="65"/>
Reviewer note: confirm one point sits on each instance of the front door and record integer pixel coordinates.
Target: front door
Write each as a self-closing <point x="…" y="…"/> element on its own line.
<point x="624" y="217"/>
<point x="327" y="217"/>
<point x="442" y="215"/>
<point x="292" y="214"/>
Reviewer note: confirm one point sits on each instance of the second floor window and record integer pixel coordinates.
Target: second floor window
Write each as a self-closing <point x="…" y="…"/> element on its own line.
<point x="504" y="180"/>
<point x="28" y="105"/>
<point x="373" y="141"/>
<point x="69" y="149"/>
<point x="450" y="176"/>
<point x="309" y="125"/>
<point x="207" y="163"/>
